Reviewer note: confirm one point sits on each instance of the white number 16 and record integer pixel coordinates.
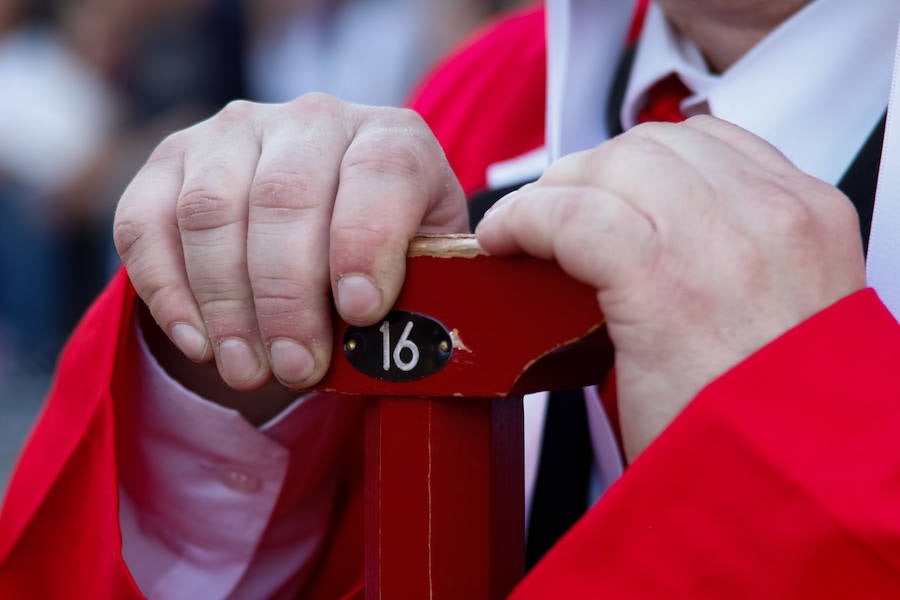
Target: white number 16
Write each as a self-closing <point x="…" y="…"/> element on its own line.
<point x="404" y="343"/>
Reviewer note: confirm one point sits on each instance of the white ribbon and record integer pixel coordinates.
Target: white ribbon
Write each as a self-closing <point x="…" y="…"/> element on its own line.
<point x="585" y="41"/>
<point x="883" y="263"/>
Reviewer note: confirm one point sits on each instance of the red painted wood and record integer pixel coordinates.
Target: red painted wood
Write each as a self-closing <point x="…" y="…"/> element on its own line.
<point x="508" y="313"/>
<point x="444" y="501"/>
<point x="444" y="455"/>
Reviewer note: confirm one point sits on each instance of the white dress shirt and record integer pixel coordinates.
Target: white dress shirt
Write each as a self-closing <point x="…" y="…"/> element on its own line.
<point x="814" y="88"/>
<point x="200" y="486"/>
<point x="212" y="507"/>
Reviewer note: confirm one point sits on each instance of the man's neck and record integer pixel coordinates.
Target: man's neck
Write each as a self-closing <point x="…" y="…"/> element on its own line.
<point x="725" y="30"/>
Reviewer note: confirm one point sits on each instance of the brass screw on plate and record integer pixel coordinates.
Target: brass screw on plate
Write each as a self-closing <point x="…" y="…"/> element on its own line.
<point x="350" y="346"/>
<point x="444" y="346"/>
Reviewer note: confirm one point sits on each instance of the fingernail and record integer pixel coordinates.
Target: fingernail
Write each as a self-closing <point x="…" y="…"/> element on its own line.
<point x="237" y="361"/>
<point x="191" y="342"/>
<point x="292" y="363"/>
<point x="358" y="299"/>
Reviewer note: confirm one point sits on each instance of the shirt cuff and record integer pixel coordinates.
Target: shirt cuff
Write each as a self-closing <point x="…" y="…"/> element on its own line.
<point x="200" y="487"/>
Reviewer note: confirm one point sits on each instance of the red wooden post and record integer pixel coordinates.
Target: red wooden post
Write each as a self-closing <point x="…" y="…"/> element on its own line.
<point x="444" y="497"/>
<point x="444" y="468"/>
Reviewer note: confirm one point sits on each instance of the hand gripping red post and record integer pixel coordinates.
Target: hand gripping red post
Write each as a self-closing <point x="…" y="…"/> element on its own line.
<point x="444" y="445"/>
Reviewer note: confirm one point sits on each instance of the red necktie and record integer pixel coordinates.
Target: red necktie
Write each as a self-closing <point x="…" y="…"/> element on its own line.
<point x="664" y="101"/>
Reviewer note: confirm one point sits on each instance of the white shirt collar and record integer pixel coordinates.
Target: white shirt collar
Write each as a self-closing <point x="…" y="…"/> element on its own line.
<point x="661" y="52"/>
<point x="823" y="76"/>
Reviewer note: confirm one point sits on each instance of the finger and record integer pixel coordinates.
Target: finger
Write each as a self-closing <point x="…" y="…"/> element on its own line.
<point x="394" y="182"/>
<point x="655" y="179"/>
<point x="595" y="236"/>
<point x="751" y="146"/>
<point x="799" y="204"/>
<point x="212" y="219"/>
<point x="653" y="156"/>
<point x="747" y="182"/>
<point x="291" y="200"/>
<point x="150" y="249"/>
<point x="723" y="155"/>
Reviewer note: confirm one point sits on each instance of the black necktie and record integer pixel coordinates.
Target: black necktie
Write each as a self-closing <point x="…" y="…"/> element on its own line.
<point x="564" y="473"/>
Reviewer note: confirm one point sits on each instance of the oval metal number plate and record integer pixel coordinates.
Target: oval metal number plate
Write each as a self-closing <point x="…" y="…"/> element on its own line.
<point x="405" y="346"/>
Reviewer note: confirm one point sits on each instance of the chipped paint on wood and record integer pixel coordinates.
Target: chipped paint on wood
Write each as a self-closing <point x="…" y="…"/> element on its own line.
<point x="445" y="246"/>
<point x="457" y="342"/>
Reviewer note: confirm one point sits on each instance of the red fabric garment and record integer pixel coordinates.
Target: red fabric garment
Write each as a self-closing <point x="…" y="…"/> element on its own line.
<point x="779" y="480"/>
<point x="59" y="531"/>
<point x="486" y="103"/>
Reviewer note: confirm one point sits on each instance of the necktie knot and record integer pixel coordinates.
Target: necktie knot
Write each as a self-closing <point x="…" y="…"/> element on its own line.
<point x="664" y="101"/>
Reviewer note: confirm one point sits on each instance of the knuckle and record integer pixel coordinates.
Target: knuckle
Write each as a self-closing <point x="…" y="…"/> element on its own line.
<point x="237" y="115"/>
<point x="648" y="130"/>
<point x="277" y="286"/>
<point x="162" y="290"/>
<point x="316" y="104"/>
<point x="127" y="233"/>
<point x="653" y="138"/>
<point x="614" y="151"/>
<point x="606" y="152"/>
<point x="382" y="158"/>
<point x="277" y="297"/>
<point x="285" y="191"/>
<point x="237" y="111"/>
<point x="405" y="128"/>
<point x="845" y="215"/>
<point x="703" y="121"/>
<point x="362" y="236"/>
<point x="222" y="316"/>
<point x="159" y="296"/>
<point x="792" y="216"/>
<point x="171" y="148"/>
<point x="406" y="117"/>
<point x="558" y="171"/>
<point x="202" y="209"/>
<point x="830" y="202"/>
<point x="581" y="205"/>
<point x="568" y="208"/>
<point x="393" y="121"/>
<point x="841" y="216"/>
<point x="356" y="247"/>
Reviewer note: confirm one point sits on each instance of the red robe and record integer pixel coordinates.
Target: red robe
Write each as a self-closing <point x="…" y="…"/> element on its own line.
<point x="781" y="479"/>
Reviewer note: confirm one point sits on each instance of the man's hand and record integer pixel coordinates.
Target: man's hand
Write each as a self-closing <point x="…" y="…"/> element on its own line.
<point x="237" y="229"/>
<point x="704" y="243"/>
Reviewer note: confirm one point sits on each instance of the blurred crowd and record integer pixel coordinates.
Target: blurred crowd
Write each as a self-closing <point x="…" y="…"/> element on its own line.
<point x="88" y="87"/>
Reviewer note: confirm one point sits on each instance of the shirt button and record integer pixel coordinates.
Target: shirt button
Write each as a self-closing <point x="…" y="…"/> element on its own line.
<point x="241" y="481"/>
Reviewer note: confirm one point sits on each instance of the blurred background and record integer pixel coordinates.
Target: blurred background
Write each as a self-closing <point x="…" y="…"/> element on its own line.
<point x="89" y="87"/>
